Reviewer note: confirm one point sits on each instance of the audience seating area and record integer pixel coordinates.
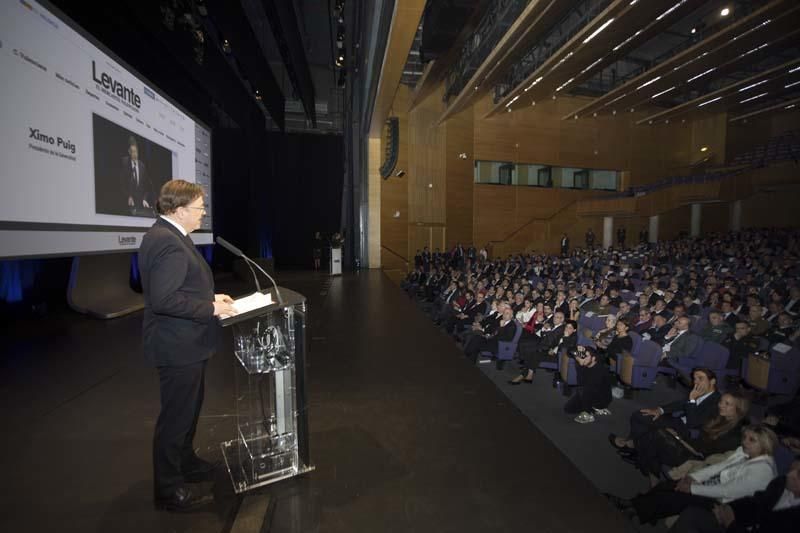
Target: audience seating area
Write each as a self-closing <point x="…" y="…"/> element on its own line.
<point x="729" y="303"/>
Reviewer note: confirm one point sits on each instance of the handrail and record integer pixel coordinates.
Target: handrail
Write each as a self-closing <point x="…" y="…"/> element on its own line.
<point x="535" y="219"/>
<point x="395" y="253"/>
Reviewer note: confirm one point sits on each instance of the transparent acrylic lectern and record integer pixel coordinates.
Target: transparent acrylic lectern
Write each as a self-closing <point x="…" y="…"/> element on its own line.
<point x="271" y="441"/>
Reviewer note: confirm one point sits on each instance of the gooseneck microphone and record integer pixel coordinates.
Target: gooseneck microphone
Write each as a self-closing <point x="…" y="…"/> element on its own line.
<point x="238" y="253"/>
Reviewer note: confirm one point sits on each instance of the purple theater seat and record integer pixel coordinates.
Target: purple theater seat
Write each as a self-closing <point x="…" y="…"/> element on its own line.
<point x="779" y="374"/>
<point x="639" y="369"/>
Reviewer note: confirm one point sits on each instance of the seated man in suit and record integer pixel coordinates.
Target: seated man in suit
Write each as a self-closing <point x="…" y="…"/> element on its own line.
<point x="700" y="406"/>
<point x="741" y="344"/>
<point x="658" y="330"/>
<point x="776" y="509"/>
<point x="562" y="336"/>
<point x="679" y="342"/>
<point x="717" y="330"/>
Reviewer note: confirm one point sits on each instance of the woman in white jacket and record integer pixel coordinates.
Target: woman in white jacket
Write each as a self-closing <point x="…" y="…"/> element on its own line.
<point x="748" y="470"/>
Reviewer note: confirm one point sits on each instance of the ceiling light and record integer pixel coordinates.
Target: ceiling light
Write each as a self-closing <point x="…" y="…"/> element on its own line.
<point x="662" y="92"/>
<point x="795" y="69"/>
<point x="690" y="80"/>
<point x="626" y="41"/>
<point x="598" y="30"/>
<point x="725" y="12"/>
<point x="512" y="100"/>
<point x="670" y="10"/>
<point x="753" y="97"/>
<point x="592" y="65"/>
<point x="710" y="101"/>
<point x="534" y="83"/>
<point x="645" y="84"/>
<point x="790" y="106"/>
<point x="614" y="112"/>
<point x="565" y="84"/>
<point x="756" y="84"/>
<point x="791" y="84"/>
<point x="704" y="149"/>
<point x="694" y="30"/>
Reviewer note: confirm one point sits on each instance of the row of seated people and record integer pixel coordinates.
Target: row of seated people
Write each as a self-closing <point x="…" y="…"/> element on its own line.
<point x="674" y="294"/>
<point x="710" y="469"/>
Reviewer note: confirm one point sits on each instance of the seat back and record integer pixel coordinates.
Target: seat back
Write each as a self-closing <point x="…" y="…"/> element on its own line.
<point x="649" y="354"/>
<point x="637" y="341"/>
<point x="714" y="356"/>
<point x="506" y="349"/>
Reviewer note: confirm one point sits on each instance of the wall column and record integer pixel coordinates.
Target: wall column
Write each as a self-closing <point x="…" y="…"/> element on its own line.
<point x="608" y="232"/>
<point x="653" y="229"/>
<point x="697" y="212"/>
<point x="736" y="215"/>
<point x="374" y="193"/>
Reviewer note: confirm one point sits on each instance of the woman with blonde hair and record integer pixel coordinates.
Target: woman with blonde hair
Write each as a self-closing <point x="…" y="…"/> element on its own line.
<point x="748" y="470"/>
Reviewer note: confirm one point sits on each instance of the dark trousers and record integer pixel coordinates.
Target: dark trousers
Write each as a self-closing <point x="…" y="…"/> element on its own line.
<point x="586" y="398"/>
<point x="642" y="424"/>
<point x="480" y="344"/>
<point x="182" y="390"/>
<point x="663" y="501"/>
<point x="697" y="520"/>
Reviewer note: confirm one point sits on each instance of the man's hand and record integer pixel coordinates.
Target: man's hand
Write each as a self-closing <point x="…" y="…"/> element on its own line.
<point x="684" y="485"/>
<point x="696" y="392"/>
<point x="130" y="201"/>
<point x="223" y="305"/>
<point x="654" y="412"/>
<point x="724" y="515"/>
<point x="145" y="204"/>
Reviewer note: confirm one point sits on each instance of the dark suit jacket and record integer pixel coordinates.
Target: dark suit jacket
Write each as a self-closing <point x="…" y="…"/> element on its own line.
<point x="179" y="327"/>
<point x="756" y="512"/>
<point x="140" y="191"/>
<point x="696" y="415"/>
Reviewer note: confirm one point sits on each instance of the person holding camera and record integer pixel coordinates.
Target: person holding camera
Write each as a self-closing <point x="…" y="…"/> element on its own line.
<point x="594" y="386"/>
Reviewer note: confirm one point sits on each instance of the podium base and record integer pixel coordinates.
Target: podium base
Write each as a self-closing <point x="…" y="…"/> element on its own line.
<point x="242" y="477"/>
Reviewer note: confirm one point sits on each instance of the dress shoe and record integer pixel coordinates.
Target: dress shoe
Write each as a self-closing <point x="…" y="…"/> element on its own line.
<point x="183" y="500"/>
<point x="612" y="439"/>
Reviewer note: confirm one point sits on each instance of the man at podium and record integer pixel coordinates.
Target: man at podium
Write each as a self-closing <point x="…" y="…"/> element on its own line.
<point x="179" y="336"/>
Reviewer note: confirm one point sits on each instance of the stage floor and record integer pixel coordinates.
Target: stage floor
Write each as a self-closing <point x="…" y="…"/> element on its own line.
<point x="406" y="435"/>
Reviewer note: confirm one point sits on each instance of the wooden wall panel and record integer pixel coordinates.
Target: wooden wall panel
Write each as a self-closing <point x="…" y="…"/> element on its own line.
<point x="715" y="218"/>
<point x="673" y="223"/>
<point x="777" y="208"/>
<point x="460" y="178"/>
<point x="427" y="183"/>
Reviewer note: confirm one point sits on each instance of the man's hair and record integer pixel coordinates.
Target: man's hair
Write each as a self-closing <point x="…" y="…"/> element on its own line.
<point x="132" y="142"/>
<point x="175" y="194"/>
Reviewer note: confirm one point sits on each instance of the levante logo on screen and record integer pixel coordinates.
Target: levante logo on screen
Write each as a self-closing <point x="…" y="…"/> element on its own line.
<point x="110" y="85"/>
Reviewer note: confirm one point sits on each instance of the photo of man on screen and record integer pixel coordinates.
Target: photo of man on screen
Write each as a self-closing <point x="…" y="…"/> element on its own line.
<point x="135" y="180"/>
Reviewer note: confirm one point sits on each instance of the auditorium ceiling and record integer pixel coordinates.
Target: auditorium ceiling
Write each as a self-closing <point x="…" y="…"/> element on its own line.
<point x="666" y="59"/>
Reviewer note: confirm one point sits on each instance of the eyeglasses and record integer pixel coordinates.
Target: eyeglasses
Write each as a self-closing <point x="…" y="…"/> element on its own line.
<point x="203" y="209"/>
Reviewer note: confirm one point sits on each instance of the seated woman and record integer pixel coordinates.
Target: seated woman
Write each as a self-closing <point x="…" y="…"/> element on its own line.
<point x="602" y="339"/>
<point x="593" y="394"/>
<point x="718" y="435"/>
<point x="574" y="310"/>
<point x="746" y="471"/>
<point x="621" y="343"/>
<point x="536" y="320"/>
<point x="527" y="311"/>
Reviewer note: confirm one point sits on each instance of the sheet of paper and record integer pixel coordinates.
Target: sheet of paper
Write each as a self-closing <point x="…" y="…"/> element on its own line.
<point x="248" y="303"/>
